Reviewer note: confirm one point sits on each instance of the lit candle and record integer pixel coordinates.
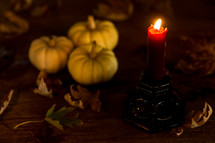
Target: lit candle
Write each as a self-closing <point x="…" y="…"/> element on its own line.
<point x="156" y="51"/>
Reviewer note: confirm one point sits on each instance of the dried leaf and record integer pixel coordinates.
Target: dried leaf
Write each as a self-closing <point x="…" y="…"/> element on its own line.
<point x="117" y="10"/>
<point x="75" y="103"/>
<point x="46" y="85"/>
<point x="12" y="25"/>
<point x="35" y="8"/>
<point x="55" y="123"/>
<point x="43" y="7"/>
<point x="81" y="93"/>
<point x="43" y="90"/>
<point x="39" y="10"/>
<point x="83" y="98"/>
<point x="194" y="119"/>
<point x="177" y="131"/>
<point x="51" y="83"/>
<point x="6" y="101"/>
<point x="42" y="75"/>
<point x="20" y="5"/>
<point x="58" y="119"/>
<point x="198" y="118"/>
<point x="199" y="57"/>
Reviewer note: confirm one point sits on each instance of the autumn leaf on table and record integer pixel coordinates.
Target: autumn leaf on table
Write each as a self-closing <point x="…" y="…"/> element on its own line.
<point x="46" y="85"/>
<point x="11" y="25"/>
<point x="6" y="101"/>
<point x="195" y="119"/>
<point x="117" y="10"/>
<point x="35" y="8"/>
<point x="199" y="56"/>
<point x="43" y="89"/>
<point x="20" y="5"/>
<point x="198" y="118"/>
<point x="83" y="98"/>
<point x="51" y="83"/>
<point x="57" y="118"/>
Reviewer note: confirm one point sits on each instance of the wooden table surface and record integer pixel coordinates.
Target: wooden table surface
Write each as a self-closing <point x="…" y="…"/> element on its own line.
<point x="107" y="125"/>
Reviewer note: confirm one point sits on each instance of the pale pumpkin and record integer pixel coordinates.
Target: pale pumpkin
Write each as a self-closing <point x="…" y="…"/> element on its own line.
<point x="103" y="32"/>
<point x="91" y="64"/>
<point x="50" y="54"/>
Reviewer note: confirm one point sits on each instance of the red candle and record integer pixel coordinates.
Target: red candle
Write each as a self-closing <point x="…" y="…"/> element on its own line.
<point x="156" y="51"/>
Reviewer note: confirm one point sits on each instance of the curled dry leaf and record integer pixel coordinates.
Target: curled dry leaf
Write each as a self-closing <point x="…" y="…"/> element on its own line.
<point x="42" y="75"/>
<point x="50" y="82"/>
<point x="39" y="10"/>
<point x="194" y="119"/>
<point x="20" y="5"/>
<point x="117" y="10"/>
<point x="43" y="89"/>
<point x="6" y="101"/>
<point x="83" y="97"/>
<point x="198" y="118"/>
<point x="177" y="131"/>
<point x="76" y="103"/>
<point x="199" y="57"/>
<point x="35" y="7"/>
<point x="12" y="25"/>
<point x="46" y="85"/>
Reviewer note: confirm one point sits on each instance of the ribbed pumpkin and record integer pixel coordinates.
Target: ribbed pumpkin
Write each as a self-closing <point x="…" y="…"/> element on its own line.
<point x="91" y="64"/>
<point x="103" y="32"/>
<point x="50" y="54"/>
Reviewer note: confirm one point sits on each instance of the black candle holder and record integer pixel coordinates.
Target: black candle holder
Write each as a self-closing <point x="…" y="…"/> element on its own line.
<point x="154" y="105"/>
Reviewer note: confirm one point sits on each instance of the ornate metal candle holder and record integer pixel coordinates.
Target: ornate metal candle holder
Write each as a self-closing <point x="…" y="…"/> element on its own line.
<point x="155" y="105"/>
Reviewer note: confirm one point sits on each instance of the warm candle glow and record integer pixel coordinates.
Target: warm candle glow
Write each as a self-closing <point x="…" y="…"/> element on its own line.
<point x="157" y="24"/>
<point x="156" y="51"/>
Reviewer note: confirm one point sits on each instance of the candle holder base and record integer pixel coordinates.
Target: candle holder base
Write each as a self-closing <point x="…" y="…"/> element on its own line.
<point x="154" y="106"/>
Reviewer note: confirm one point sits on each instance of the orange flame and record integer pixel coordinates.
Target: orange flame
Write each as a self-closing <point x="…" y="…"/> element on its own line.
<point x="157" y="24"/>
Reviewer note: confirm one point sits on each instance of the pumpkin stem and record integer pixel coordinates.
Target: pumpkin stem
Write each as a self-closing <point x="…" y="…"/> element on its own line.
<point x="91" y="22"/>
<point x="93" y="51"/>
<point x="52" y="42"/>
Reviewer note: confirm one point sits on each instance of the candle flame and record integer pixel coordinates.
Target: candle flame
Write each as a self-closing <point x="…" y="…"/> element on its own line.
<point x="157" y="24"/>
